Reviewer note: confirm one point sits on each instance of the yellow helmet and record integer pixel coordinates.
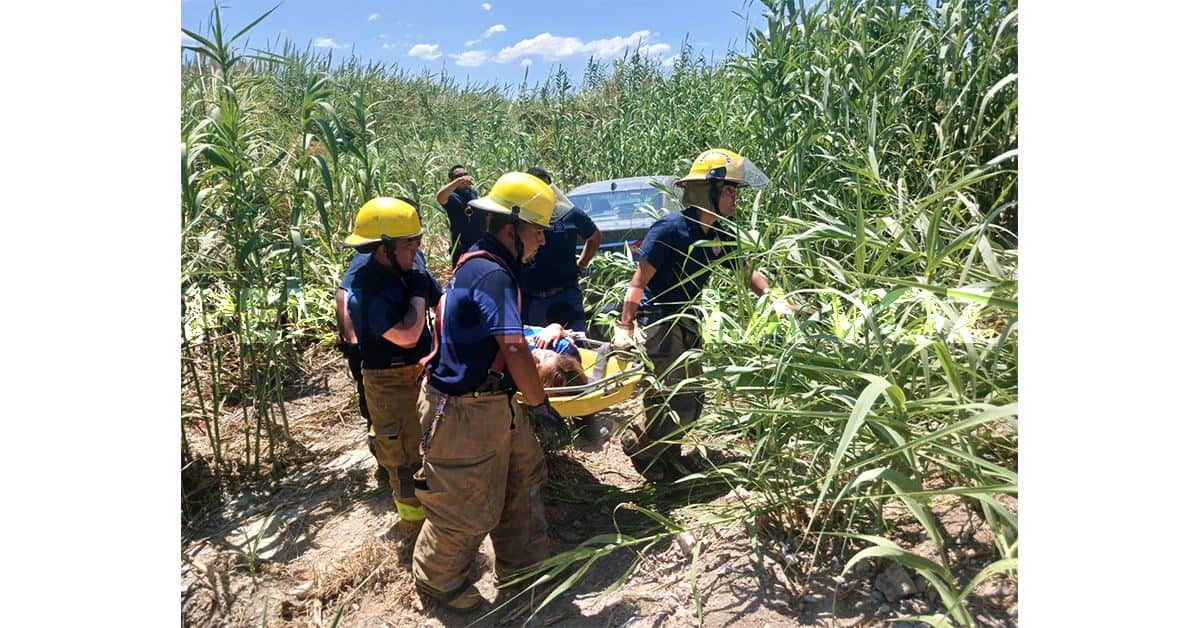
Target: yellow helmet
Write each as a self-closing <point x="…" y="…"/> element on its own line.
<point x="530" y="196"/>
<point x="383" y="218"/>
<point x="720" y="164"/>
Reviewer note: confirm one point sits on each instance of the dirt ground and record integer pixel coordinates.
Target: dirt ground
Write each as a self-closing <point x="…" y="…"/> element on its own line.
<point x="316" y="547"/>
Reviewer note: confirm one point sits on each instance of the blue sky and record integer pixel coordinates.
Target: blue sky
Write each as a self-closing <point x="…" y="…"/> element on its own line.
<point x="490" y="41"/>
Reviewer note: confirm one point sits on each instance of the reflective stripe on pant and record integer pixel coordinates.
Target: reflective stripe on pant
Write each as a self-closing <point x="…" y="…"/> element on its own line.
<point x="665" y="412"/>
<point x="484" y="473"/>
<point x="392" y="398"/>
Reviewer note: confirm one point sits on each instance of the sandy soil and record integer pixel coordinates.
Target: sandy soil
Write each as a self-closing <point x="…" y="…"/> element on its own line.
<point x="316" y="546"/>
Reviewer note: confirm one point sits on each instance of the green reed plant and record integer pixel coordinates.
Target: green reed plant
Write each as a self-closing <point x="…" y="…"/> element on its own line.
<point x="890" y="132"/>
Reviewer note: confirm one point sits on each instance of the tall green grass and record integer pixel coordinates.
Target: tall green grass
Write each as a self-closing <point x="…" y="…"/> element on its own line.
<point x="890" y="131"/>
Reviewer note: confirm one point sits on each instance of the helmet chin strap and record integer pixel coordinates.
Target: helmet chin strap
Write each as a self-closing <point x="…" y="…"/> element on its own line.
<point x="389" y="250"/>
<point x="714" y="195"/>
<point x="518" y="245"/>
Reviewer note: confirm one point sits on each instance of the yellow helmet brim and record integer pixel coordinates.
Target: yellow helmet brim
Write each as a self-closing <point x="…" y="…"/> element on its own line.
<point x="488" y="205"/>
<point x="357" y="240"/>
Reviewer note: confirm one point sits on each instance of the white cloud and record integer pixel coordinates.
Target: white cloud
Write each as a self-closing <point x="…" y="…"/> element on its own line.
<point x="670" y="61"/>
<point x="613" y="46"/>
<point x="548" y="47"/>
<point x="526" y="62"/>
<point x="487" y="6"/>
<point x="654" y="50"/>
<point x="553" y="48"/>
<point x="616" y="46"/>
<point x="387" y="46"/>
<point x="328" y="42"/>
<point x="372" y="17"/>
<point x="471" y="58"/>
<point x="492" y="30"/>
<point x="428" y="52"/>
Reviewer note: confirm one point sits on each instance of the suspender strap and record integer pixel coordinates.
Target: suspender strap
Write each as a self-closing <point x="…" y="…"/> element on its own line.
<point x="497" y="365"/>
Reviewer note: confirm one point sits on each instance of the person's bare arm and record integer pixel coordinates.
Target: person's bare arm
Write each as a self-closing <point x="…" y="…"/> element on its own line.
<point x="633" y="295"/>
<point x="521" y="367"/>
<point x="407" y="332"/>
<point x="590" y="246"/>
<point x="548" y="337"/>
<point x="443" y="195"/>
<point x="346" y="333"/>
<point x="759" y="285"/>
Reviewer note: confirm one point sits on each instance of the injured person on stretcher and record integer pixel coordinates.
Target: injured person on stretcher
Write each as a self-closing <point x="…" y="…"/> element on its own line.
<point x="557" y="358"/>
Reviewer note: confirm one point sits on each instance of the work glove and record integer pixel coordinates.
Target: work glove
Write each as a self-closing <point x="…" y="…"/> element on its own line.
<point x="626" y="337"/>
<point x="782" y="307"/>
<point x="550" y="426"/>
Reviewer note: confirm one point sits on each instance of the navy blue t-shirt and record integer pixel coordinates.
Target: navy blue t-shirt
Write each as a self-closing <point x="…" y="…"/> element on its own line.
<point x="481" y="302"/>
<point x="356" y="263"/>
<point x="466" y="223"/>
<point x="360" y="259"/>
<point x="668" y="248"/>
<point x="553" y="268"/>
<point x="377" y="301"/>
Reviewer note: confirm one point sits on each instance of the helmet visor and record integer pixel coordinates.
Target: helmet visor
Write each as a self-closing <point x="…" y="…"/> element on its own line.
<point x="562" y="204"/>
<point x="752" y="176"/>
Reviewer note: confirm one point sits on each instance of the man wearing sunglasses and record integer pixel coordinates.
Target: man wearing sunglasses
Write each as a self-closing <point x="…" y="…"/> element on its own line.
<point x="466" y="224"/>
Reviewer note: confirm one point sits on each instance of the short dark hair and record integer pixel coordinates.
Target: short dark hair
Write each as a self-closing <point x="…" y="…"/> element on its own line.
<point x="540" y="173"/>
<point x="450" y="172"/>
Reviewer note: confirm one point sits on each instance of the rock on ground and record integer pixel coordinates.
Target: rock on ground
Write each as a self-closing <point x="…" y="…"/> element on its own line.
<point x="895" y="583"/>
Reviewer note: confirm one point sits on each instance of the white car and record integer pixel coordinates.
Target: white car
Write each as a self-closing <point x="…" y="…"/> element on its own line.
<point x="624" y="209"/>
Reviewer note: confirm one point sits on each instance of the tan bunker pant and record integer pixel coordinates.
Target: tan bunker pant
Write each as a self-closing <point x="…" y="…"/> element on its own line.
<point x="484" y="472"/>
<point x="392" y="400"/>
<point x="665" y="412"/>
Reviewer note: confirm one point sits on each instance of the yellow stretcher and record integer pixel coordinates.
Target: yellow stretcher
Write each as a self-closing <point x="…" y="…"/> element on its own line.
<point x="611" y="380"/>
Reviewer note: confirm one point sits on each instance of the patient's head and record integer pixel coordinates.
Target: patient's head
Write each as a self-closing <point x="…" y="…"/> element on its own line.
<point x="557" y="369"/>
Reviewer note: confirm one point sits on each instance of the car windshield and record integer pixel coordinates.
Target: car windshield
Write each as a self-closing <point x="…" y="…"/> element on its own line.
<point x="624" y="204"/>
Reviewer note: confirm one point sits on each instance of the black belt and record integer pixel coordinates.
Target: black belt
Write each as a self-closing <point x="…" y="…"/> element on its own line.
<point x="396" y="363"/>
<point x="492" y="384"/>
<point x="496" y="382"/>
<point x="542" y="295"/>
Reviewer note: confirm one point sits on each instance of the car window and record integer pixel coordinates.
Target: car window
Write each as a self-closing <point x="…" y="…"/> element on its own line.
<point x="625" y="204"/>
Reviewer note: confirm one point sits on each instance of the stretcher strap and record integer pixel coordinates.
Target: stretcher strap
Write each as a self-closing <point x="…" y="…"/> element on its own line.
<point x="601" y="365"/>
